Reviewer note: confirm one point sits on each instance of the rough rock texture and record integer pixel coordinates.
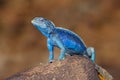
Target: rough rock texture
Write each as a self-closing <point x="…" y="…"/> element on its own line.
<point x="72" y="68"/>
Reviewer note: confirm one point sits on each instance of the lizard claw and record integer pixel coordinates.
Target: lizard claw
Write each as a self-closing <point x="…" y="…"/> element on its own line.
<point x="61" y="58"/>
<point x="51" y="61"/>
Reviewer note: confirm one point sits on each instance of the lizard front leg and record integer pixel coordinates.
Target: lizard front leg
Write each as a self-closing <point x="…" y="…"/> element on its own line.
<point x="51" y="50"/>
<point x="62" y="54"/>
<point x="61" y="46"/>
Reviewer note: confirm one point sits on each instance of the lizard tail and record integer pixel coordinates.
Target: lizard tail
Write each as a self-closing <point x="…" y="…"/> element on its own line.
<point x="103" y="74"/>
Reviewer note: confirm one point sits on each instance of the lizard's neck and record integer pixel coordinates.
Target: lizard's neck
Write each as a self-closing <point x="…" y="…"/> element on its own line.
<point x="46" y="33"/>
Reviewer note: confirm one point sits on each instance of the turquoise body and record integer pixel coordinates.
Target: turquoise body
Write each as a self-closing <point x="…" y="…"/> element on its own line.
<point x="67" y="41"/>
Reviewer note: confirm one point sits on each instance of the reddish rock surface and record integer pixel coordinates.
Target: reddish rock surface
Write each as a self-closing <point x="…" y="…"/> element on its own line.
<point x="72" y="68"/>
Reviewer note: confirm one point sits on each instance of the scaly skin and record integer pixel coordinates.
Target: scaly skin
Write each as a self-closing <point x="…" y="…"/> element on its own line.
<point x="67" y="41"/>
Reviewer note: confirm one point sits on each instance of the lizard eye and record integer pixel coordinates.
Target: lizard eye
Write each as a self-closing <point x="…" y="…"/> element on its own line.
<point x="41" y="18"/>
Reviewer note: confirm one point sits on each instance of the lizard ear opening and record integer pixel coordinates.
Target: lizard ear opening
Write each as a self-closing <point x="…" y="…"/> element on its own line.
<point x="51" y="26"/>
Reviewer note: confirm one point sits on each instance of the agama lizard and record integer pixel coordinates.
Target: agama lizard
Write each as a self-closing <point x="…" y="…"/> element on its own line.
<point x="68" y="42"/>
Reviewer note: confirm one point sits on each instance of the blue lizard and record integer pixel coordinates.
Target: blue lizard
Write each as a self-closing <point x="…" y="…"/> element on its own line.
<point x="68" y="42"/>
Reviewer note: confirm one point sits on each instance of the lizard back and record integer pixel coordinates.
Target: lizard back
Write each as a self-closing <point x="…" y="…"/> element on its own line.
<point x="71" y="40"/>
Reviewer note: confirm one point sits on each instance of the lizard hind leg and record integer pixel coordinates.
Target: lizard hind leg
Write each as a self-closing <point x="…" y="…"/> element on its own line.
<point x="91" y="53"/>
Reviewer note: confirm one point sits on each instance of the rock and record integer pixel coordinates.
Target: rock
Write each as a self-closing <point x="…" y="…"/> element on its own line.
<point x="72" y="68"/>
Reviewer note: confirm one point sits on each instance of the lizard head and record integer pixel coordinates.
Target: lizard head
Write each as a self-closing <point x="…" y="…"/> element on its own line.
<point x="43" y="25"/>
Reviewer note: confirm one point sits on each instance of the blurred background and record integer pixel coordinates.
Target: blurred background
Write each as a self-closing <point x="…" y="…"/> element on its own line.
<point x="22" y="45"/>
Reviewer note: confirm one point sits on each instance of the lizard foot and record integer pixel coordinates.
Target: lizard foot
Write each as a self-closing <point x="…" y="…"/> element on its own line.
<point x="52" y="61"/>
